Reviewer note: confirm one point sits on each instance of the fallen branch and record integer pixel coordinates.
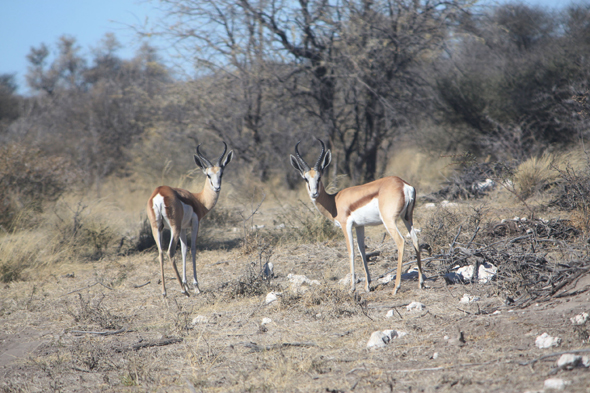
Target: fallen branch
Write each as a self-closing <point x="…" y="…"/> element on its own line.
<point x="141" y="285"/>
<point x="160" y="343"/>
<point x="98" y="333"/>
<point x="554" y="354"/>
<point x="259" y="348"/>
<point x="89" y="286"/>
<point x="445" y="367"/>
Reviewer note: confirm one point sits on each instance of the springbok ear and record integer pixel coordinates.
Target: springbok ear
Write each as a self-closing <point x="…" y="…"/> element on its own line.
<point x="200" y="163"/>
<point x="327" y="159"/>
<point x="295" y="164"/>
<point x="228" y="158"/>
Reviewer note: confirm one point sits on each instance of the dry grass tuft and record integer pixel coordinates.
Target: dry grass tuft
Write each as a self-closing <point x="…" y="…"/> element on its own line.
<point x="535" y="175"/>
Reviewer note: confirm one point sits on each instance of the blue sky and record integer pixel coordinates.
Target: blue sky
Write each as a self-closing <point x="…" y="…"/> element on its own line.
<point x="28" y="23"/>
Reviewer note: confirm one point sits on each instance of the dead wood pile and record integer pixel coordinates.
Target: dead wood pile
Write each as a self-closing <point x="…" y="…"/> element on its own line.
<point x="535" y="258"/>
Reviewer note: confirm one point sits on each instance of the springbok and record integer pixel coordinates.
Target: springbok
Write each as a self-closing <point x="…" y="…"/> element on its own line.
<point x="179" y="210"/>
<point x="378" y="202"/>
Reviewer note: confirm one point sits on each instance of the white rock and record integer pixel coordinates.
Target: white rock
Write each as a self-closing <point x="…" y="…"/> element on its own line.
<point x="484" y="186"/>
<point x="579" y="319"/>
<point x="429" y="205"/>
<point x="383" y="280"/>
<point x="555" y="383"/>
<point x="569" y="361"/>
<point x="266" y="321"/>
<point x="497" y="312"/>
<point x="446" y="203"/>
<point x="546" y="341"/>
<point x="469" y="299"/>
<point x="280" y="226"/>
<point x="200" y="319"/>
<point x="415" y="306"/>
<point x="486" y="273"/>
<point x="346" y="281"/>
<point x="379" y="339"/>
<point x="586" y="361"/>
<point x="300" y="284"/>
<point x="301" y="280"/>
<point x="390" y="314"/>
<point x="272" y="296"/>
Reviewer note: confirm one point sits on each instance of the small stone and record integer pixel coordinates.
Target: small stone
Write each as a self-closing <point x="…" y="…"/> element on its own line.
<point x="555" y="383"/>
<point x="579" y="319"/>
<point x="346" y="281"/>
<point x="469" y="299"/>
<point x="200" y="319"/>
<point x="390" y="314"/>
<point x="266" y="321"/>
<point x="434" y="356"/>
<point x="378" y="340"/>
<point x="385" y="280"/>
<point x="546" y="341"/>
<point x="569" y="361"/>
<point x="415" y="306"/>
<point x="272" y="297"/>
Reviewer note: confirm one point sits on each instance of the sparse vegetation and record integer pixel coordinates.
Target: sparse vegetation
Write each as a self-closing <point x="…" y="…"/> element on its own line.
<point x="485" y="113"/>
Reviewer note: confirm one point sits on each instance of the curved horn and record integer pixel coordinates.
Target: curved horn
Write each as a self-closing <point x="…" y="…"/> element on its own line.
<point x="222" y="154"/>
<point x="206" y="161"/>
<point x="317" y="164"/>
<point x="300" y="159"/>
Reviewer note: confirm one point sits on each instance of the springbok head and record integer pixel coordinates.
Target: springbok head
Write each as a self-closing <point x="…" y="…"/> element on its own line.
<point x="214" y="172"/>
<point x="312" y="176"/>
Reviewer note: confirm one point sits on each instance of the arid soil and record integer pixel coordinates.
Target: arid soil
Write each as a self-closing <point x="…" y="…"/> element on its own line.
<point x="104" y="326"/>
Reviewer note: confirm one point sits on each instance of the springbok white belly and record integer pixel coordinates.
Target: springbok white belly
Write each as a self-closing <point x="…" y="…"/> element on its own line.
<point x="366" y="215"/>
<point x="188" y="215"/>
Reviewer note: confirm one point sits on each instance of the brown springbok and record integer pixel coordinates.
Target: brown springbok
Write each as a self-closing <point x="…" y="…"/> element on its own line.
<point x="180" y="210"/>
<point x="378" y="202"/>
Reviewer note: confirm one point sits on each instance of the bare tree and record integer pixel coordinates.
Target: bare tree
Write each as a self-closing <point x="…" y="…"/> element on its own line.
<point x="349" y="66"/>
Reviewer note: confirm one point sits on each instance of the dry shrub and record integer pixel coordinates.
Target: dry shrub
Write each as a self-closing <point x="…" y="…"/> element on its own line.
<point x="325" y="300"/>
<point x="29" y="180"/>
<point x="69" y="232"/>
<point x="535" y="175"/>
<point x="304" y="224"/>
<point x="22" y="250"/>
<point x="468" y="179"/>
<point x="254" y="281"/>
<point x="93" y="312"/>
<point x="82" y="231"/>
<point x="439" y="226"/>
<point x="572" y="194"/>
<point x="423" y="171"/>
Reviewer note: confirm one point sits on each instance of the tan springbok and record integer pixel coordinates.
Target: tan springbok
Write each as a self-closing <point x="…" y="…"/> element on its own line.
<point x="179" y="210"/>
<point x="378" y="202"/>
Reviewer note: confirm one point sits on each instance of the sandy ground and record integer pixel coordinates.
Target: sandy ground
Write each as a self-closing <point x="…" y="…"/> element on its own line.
<point x="104" y="326"/>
